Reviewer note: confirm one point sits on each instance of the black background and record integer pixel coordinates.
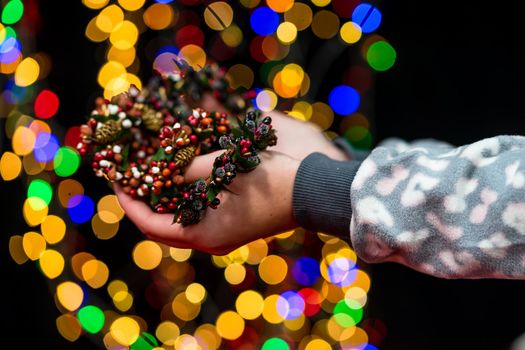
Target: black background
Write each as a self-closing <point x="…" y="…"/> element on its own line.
<point x="458" y="77"/>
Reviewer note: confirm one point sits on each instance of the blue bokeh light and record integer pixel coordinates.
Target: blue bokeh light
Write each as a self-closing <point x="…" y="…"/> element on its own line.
<point x="367" y="16"/>
<point x="344" y="99"/>
<point x="290" y="305"/>
<point x="342" y="272"/>
<point x="80" y="208"/>
<point x="264" y="21"/>
<point x="10" y="50"/>
<point x="46" y="147"/>
<point x="306" y="271"/>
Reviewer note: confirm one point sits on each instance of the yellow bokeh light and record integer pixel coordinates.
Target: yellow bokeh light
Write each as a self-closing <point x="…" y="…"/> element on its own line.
<point x="266" y="100"/>
<point x="194" y="55"/>
<point x="16" y="249"/>
<point x="35" y="211"/>
<point x="230" y="325"/>
<point x="117" y="286"/>
<point x="196" y="293"/>
<point x="10" y="166"/>
<point x="109" y="209"/>
<point x="34" y="245"/>
<point x="258" y="249"/>
<point x="249" y="304"/>
<point x="53" y="229"/>
<point x="318" y="344"/>
<point x="362" y="281"/>
<point x="68" y="188"/>
<point x="51" y="263"/>
<point x="124" y="57"/>
<point x="158" y="16"/>
<point x="95" y="273"/>
<point x="273" y="269"/>
<point x="94" y="33"/>
<point x="270" y="312"/>
<point x="167" y="332"/>
<point x="2" y="33"/>
<point x="355" y="297"/>
<point x="124" y="36"/>
<point x="280" y="5"/>
<point x="116" y="86"/>
<point x="322" y="115"/>
<point x="240" y="75"/>
<point x="285" y="90"/>
<point x="207" y="337"/>
<point x="296" y="323"/>
<point x="218" y="15"/>
<point x="95" y="4"/>
<point x="103" y="229"/>
<point x="31" y="165"/>
<point x="338" y="332"/>
<point x="350" y="32"/>
<point x="27" y="72"/>
<point x="235" y="273"/>
<point x="125" y="330"/>
<point x="180" y="254"/>
<point x="321" y="3"/>
<point x="109" y="71"/>
<point x="185" y="309"/>
<point x="69" y="327"/>
<point x="134" y="80"/>
<point x="77" y="261"/>
<point x="23" y="141"/>
<point x="300" y="15"/>
<point x="70" y="295"/>
<point x="147" y="255"/>
<point x="131" y="5"/>
<point x="325" y="24"/>
<point x="358" y="339"/>
<point x="250" y="3"/>
<point x="232" y="36"/>
<point x="186" y="342"/>
<point x="287" y="32"/>
<point x="108" y="19"/>
<point x="123" y="300"/>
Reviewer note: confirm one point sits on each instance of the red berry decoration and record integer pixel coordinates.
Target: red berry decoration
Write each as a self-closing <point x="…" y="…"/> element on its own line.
<point x="143" y="140"/>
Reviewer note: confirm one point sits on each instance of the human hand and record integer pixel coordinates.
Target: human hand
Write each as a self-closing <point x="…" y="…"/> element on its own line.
<point x="296" y="138"/>
<point x="260" y="205"/>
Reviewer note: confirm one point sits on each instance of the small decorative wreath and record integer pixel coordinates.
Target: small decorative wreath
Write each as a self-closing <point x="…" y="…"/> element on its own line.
<point x="143" y="140"/>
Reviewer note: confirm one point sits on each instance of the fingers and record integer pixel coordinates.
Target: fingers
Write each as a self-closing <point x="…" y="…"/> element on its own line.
<point x="156" y="226"/>
<point x="201" y="166"/>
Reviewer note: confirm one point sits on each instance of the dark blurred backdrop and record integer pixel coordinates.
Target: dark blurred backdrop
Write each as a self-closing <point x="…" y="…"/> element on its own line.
<point x="458" y="77"/>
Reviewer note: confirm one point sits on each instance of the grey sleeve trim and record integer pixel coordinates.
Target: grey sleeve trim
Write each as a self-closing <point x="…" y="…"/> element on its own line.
<point x="321" y="195"/>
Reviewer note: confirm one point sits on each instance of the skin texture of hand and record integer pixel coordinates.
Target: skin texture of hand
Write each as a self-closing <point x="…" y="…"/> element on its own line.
<point x="260" y="206"/>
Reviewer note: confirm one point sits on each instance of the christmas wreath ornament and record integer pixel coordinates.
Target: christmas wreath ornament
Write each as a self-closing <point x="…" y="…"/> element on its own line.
<point x="143" y="140"/>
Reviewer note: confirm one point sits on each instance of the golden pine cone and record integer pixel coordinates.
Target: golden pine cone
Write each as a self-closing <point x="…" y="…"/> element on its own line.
<point x="152" y="120"/>
<point x="184" y="156"/>
<point x="107" y="132"/>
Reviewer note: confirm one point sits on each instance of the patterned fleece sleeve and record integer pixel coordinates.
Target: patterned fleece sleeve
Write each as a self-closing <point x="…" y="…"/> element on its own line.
<point x="445" y="211"/>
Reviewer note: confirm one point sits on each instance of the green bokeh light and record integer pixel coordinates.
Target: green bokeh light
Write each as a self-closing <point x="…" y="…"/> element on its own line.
<point x="359" y="137"/>
<point x="12" y="12"/>
<point x="41" y="189"/>
<point x="346" y="316"/>
<point x="66" y="161"/>
<point x="146" y="341"/>
<point x="91" y="318"/>
<point x="381" y="56"/>
<point x="275" y="344"/>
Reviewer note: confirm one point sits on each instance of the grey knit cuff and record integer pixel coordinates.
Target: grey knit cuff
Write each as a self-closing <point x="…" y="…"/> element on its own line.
<point x="321" y="195"/>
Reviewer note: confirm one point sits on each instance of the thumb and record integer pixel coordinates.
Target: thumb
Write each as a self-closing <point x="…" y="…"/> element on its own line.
<point x="201" y="166"/>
